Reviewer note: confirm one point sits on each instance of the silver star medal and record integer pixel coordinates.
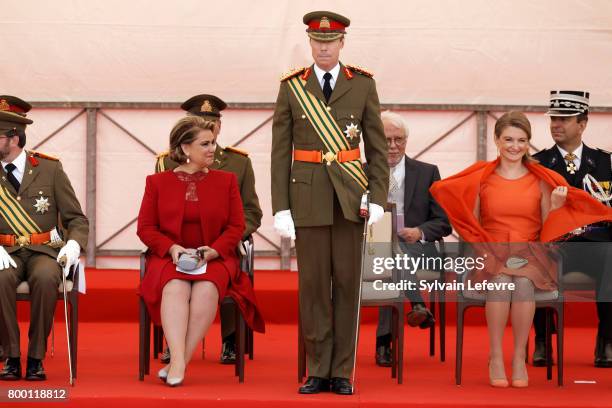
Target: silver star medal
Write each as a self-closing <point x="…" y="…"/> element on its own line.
<point x="42" y="205"/>
<point x="351" y="131"/>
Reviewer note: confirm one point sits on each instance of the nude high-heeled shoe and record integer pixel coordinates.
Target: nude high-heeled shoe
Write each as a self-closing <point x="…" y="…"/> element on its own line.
<point x="497" y="382"/>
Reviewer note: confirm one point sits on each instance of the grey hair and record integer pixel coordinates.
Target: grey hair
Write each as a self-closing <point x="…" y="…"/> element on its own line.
<point x="396" y="120"/>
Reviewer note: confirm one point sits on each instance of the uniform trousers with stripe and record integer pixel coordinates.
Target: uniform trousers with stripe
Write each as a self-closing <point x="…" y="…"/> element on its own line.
<point x="43" y="275"/>
<point x="329" y="268"/>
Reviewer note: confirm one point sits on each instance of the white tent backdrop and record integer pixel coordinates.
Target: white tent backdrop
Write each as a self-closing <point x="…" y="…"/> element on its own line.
<point x="435" y="52"/>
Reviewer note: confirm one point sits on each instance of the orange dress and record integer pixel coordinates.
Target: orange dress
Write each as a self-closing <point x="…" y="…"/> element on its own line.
<point x="517" y="212"/>
<point x="510" y="212"/>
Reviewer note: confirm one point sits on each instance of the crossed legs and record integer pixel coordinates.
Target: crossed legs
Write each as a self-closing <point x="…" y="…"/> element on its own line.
<point x="520" y="305"/>
<point x="187" y="311"/>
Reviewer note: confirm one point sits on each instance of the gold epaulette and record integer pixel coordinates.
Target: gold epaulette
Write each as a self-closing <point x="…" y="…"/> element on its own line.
<point x="291" y="73"/>
<point x="162" y="155"/>
<point x="359" y="70"/>
<point x="236" y="150"/>
<point x="42" y="155"/>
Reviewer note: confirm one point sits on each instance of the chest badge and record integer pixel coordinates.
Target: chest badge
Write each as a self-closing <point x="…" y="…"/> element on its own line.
<point x="42" y="205"/>
<point x="351" y="131"/>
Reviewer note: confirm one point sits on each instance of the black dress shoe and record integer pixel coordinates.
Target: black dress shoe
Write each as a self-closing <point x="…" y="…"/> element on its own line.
<point x="35" y="370"/>
<point x="603" y="353"/>
<point x="420" y="316"/>
<point x="539" y="354"/>
<point x="11" y="370"/>
<point x="341" y="386"/>
<point x="165" y="356"/>
<point x="228" y="353"/>
<point x="314" y="385"/>
<point x="383" y="356"/>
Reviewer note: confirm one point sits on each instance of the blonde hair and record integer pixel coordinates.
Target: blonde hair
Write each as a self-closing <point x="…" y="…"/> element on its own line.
<point x="518" y="120"/>
<point x="185" y="131"/>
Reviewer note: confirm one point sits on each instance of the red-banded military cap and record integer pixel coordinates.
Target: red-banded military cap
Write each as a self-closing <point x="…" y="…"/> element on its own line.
<point x="13" y="113"/>
<point x="325" y="25"/>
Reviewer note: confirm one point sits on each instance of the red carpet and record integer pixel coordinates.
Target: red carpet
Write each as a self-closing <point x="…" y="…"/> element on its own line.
<point x="108" y="362"/>
<point x="111" y="297"/>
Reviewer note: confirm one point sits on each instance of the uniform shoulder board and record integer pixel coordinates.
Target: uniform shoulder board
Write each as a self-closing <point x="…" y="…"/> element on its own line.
<point x="236" y="150"/>
<point x="291" y="73"/>
<point x="604" y="151"/>
<point x="360" y="70"/>
<point x="43" y="156"/>
<point x="162" y="155"/>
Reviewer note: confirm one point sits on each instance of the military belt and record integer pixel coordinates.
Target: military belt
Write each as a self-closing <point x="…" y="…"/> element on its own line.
<point x="317" y="156"/>
<point x="25" y="240"/>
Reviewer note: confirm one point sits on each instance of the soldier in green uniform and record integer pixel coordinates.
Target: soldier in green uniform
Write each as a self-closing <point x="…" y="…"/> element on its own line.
<point x="236" y="161"/>
<point x="322" y="113"/>
<point x="36" y="197"/>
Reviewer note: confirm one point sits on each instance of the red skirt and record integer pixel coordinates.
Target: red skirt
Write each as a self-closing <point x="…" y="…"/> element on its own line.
<point x="156" y="278"/>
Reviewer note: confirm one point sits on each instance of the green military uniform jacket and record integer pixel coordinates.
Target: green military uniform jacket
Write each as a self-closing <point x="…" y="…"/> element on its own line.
<point x="45" y="180"/>
<point x="308" y="188"/>
<point x="235" y="161"/>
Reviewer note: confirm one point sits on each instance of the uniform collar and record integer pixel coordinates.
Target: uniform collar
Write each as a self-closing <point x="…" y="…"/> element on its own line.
<point x="19" y="162"/>
<point x="335" y="71"/>
<point x="577" y="152"/>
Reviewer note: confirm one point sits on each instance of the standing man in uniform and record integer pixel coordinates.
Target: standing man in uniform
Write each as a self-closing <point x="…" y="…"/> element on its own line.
<point x="322" y="113"/>
<point x="588" y="169"/>
<point x="236" y="161"/>
<point x="35" y="196"/>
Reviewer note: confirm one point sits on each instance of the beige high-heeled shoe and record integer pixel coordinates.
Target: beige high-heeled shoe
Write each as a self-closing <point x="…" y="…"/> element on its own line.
<point x="520" y="382"/>
<point x="497" y="382"/>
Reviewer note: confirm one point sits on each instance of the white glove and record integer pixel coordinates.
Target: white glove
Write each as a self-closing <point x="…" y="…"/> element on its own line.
<point x="72" y="252"/>
<point x="283" y="224"/>
<point x="6" y="260"/>
<point x="376" y="213"/>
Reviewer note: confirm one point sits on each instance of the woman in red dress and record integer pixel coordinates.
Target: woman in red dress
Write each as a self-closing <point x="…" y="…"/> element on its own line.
<point x="514" y="200"/>
<point x="192" y="207"/>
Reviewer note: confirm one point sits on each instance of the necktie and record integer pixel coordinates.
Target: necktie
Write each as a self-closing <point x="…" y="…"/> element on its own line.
<point x="569" y="160"/>
<point x="327" y="89"/>
<point x="11" y="177"/>
<point x="393" y="186"/>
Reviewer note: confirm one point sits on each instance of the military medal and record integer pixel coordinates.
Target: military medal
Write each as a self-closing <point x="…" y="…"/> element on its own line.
<point x="42" y="205"/>
<point x="351" y="131"/>
<point x="571" y="166"/>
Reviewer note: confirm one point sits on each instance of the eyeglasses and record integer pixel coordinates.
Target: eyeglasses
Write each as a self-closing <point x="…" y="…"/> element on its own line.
<point x="398" y="141"/>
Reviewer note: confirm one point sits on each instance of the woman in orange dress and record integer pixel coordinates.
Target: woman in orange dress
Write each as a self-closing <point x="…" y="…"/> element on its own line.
<point x="514" y="200"/>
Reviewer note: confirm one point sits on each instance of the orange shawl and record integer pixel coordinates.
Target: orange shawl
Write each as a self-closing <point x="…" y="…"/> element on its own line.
<point x="457" y="196"/>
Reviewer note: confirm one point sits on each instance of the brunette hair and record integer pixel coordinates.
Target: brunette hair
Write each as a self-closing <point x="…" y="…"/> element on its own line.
<point x="185" y="131"/>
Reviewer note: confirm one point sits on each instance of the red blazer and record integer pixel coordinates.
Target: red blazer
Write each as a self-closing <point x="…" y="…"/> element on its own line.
<point x="222" y="219"/>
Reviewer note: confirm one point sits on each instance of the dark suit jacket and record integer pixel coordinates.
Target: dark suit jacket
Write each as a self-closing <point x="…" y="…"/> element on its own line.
<point x="595" y="162"/>
<point x="420" y="209"/>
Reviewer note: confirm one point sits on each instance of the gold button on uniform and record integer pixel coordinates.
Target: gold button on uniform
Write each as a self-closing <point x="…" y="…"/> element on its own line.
<point x="352" y="117"/>
<point x="303" y="116"/>
<point x="40" y="192"/>
<point x="328" y="108"/>
<point x="18" y="198"/>
<point x="293" y="181"/>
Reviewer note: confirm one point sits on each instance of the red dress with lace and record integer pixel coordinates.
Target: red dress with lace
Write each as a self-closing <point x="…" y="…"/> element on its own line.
<point x="193" y="210"/>
<point x="191" y="237"/>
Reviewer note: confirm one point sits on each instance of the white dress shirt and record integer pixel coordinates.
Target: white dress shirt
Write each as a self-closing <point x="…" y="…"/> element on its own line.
<point x="397" y="196"/>
<point x="335" y="71"/>
<point x="577" y="153"/>
<point x="20" y="163"/>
